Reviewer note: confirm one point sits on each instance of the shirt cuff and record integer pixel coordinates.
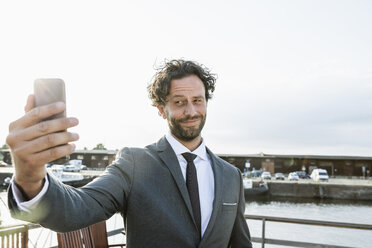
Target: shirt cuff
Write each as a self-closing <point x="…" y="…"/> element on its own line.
<point x="29" y="205"/>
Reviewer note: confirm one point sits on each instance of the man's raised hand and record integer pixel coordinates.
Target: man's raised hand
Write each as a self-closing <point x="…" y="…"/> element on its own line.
<point x="34" y="143"/>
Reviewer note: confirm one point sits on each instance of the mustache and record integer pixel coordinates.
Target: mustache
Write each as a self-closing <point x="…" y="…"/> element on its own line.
<point x="188" y="118"/>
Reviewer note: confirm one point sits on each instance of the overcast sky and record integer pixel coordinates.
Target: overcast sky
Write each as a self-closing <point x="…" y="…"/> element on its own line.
<point x="294" y="77"/>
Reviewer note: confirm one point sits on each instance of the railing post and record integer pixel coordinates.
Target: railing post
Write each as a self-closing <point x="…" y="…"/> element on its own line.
<point x="24" y="238"/>
<point x="263" y="232"/>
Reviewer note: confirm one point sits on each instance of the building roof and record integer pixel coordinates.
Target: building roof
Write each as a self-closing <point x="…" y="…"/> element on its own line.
<point x="318" y="157"/>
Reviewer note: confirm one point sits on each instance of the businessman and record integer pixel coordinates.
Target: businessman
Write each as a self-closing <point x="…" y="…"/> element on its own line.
<point x="173" y="193"/>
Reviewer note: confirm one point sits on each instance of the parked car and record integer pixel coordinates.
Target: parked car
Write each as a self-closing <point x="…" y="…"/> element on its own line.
<point x="319" y="175"/>
<point x="266" y="175"/>
<point x="256" y="173"/>
<point x="279" y="176"/>
<point x="303" y="175"/>
<point x="293" y="176"/>
<point x="70" y="168"/>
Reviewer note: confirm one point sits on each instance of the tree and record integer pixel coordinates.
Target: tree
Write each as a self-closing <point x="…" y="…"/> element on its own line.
<point x="5" y="146"/>
<point x="99" y="146"/>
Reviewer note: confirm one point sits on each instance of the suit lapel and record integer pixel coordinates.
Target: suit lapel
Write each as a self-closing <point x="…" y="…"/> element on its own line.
<point x="218" y="186"/>
<point x="169" y="158"/>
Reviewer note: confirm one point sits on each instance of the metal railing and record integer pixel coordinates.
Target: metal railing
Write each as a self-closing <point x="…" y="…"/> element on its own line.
<point x="40" y="237"/>
<point x="16" y="235"/>
<point x="263" y="240"/>
<point x="8" y="235"/>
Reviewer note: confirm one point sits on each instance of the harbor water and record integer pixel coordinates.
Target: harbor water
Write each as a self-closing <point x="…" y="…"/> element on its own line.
<point x="325" y="210"/>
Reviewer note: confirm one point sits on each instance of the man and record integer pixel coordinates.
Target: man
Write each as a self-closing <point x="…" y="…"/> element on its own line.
<point x="173" y="193"/>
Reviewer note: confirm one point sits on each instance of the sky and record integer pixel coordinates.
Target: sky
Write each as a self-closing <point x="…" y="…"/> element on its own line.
<point x="294" y="77"/>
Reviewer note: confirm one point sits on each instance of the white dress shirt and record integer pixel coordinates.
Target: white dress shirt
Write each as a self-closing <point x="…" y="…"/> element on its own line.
<point x="204" y="173"/>
<point x="27" y="206"/>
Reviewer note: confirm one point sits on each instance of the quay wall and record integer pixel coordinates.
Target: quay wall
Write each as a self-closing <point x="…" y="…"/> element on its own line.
<point x="322" y="190"/>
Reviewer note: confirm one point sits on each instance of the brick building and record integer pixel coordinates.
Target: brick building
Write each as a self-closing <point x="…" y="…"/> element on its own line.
<point x="95" y="159"/>
<point x="335" y="165"/>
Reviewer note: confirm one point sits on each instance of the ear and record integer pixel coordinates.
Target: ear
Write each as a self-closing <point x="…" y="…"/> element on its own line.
<point x="161" y="111"/>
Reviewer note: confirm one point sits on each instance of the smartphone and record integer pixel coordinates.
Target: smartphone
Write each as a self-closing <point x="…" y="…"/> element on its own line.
<point x="50" y="90"/>
<point x="47" y="91"/>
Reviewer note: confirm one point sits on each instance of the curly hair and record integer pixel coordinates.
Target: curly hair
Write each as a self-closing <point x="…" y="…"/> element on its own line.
<point x="176" y="69"/>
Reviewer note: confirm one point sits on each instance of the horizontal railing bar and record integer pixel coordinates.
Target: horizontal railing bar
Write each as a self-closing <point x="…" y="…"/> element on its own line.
<point x="13" y="228"/>
<point x="310" y="222"/>
<point x="29" y="226"/>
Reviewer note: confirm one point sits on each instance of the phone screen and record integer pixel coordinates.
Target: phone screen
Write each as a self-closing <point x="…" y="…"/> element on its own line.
<point x="50" y="90"/>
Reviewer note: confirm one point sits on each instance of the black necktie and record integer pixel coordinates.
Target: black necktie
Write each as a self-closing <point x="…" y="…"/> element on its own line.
<point x="192" y="187"/>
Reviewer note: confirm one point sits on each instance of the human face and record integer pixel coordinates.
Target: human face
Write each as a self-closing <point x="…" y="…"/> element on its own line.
<point x="185" y="108"/>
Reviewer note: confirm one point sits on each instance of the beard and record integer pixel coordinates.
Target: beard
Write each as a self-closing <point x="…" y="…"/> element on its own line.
<point x="188" y="133"/>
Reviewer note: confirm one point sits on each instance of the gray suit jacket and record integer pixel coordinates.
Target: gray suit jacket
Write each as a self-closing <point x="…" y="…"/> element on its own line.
<point x="147" y="187"/>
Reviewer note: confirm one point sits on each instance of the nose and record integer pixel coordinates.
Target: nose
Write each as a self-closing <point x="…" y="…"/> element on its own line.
<point x="190" y="109"/>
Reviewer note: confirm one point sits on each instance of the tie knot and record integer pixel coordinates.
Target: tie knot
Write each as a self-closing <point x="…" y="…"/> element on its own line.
<point x="189" y="156"/>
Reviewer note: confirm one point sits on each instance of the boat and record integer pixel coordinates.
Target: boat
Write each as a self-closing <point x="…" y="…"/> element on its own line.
<point x="65" y="177"/>
<point x="252" y="188"/>
<point x="74" y="179"/>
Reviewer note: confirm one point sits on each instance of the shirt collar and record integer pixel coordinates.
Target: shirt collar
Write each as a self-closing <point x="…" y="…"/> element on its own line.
<point x="179" y="148"/>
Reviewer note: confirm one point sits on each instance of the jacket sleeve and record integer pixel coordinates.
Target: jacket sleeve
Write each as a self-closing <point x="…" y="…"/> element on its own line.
<point x="240" y="236"/>
<point x="64" y="208"/>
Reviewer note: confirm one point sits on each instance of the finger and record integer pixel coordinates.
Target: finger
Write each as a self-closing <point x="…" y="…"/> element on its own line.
<point x="53" y="153"/>
<point x="30" y="104"/>
<point x="35" y="115"/>
<point x="46" y="127"/>
<point x="51" y="140"/>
